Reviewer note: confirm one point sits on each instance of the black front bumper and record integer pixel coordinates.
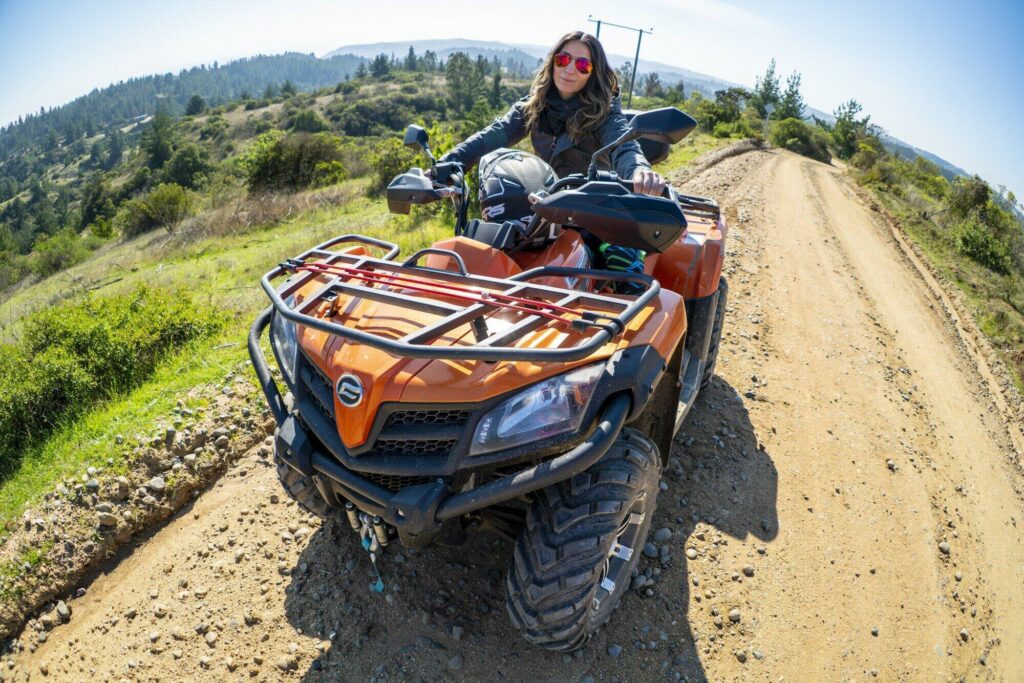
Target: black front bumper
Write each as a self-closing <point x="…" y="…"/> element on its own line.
<point x="418" y="511"/>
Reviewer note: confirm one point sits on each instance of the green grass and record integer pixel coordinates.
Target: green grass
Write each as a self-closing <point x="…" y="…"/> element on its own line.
<point x="692" y="146"/>
<point x="12" y="569"/>
<point x="221" y="271"/>
<point x="92" y="439"/>
<point x="995" y="301"/>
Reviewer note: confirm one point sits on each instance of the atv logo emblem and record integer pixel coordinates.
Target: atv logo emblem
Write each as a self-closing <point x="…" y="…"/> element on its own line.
<point x="350" y="390"/>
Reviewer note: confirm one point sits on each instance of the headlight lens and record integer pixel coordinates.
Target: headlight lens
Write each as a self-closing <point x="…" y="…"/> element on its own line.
<point x="284" y="337"/>
<point x="551" y="407"/>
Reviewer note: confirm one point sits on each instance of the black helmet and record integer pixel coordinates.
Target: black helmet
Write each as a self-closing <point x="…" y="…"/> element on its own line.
<point x="507" y="177"/>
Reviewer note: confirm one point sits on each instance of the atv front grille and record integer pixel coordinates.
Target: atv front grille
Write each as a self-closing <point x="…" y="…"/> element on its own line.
<point x="432" y="447"/>
<point x="427" y="417"/>
<point x="320" y="389"/>
<point x="394" y="482"/>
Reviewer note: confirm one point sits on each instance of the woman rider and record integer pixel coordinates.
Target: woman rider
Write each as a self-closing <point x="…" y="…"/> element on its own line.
<point x="572" y="111"/>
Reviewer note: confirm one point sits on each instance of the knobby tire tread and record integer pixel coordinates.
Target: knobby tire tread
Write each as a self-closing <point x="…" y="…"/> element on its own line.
<point x="570" y="526"/>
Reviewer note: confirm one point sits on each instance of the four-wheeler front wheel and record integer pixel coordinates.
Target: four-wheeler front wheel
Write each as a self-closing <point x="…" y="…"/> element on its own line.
<point x="583" y="538"/>
<point x="303" y="491"/>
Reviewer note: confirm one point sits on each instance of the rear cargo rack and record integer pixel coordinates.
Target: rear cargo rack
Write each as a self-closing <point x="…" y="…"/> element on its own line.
<point x="701" y="206"/>
<point x="456" y="299"/>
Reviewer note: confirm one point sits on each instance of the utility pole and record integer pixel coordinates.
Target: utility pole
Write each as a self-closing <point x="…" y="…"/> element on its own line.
<point x="636" y="59"/>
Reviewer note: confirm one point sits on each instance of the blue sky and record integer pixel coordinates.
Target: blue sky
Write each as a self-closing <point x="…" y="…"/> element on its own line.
<point x="941" y="75"/>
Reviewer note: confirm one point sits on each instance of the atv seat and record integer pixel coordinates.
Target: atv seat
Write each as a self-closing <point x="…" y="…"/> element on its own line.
<point x="480" y="258"/>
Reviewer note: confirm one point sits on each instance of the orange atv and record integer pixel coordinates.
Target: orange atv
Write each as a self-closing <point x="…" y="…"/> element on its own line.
<point x="495" y="380"/>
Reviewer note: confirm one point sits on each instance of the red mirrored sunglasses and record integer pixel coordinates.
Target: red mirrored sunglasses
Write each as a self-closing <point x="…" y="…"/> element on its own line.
<point x="583" y="65"/>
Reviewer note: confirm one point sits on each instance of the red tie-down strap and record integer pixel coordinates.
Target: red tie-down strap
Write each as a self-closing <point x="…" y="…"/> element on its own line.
<point x="460" y="293"/>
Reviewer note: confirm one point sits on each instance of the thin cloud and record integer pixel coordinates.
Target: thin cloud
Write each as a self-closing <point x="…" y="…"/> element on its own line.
<point x="719" y="12"/>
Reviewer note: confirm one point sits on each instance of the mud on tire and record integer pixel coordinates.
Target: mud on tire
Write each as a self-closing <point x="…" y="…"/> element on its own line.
<point x="558" y="588"/>
<point x="716" y="333"/>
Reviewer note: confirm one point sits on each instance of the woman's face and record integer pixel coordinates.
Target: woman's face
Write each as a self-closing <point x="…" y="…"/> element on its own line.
<point x="568" y="80"/>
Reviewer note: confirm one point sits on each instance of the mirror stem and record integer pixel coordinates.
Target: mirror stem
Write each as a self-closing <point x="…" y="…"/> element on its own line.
<point x="592" y="169"/>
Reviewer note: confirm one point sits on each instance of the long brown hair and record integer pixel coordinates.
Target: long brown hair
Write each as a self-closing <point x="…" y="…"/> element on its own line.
<point x="595" y="97"/>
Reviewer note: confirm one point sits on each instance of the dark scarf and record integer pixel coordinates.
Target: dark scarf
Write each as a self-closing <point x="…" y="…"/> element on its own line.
<point x="557" y="111"/>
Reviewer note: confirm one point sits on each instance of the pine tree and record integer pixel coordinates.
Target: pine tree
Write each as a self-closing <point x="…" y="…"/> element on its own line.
<point x="465" y="82"/>
<point x="196" y="105"/>
<point x="494" y="98"/>
<point x="380" y="66"/>
<point x="158" y="140"/>
<point x="411" y="62"/>
<point x="791" y="106"/>
<point x="766" y="90"/>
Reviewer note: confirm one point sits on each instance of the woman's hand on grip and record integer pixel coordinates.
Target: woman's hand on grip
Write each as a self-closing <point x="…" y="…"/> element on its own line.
<point x="646" y="181"/>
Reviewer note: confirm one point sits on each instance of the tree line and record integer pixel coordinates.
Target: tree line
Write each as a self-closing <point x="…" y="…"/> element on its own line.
<point x="159" y="170"/>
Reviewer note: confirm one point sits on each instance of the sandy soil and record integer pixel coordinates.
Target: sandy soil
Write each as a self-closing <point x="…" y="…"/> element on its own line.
<point x="847" y="484"/>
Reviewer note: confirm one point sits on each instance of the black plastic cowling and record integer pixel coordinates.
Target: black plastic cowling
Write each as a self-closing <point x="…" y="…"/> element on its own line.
<point x="614" y="215"/>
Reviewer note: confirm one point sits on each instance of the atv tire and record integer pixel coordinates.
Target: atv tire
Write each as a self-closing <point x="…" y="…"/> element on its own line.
<point x="303" y="491"/>
<point x="569" y="570"/>
<point x="716" y="333"/>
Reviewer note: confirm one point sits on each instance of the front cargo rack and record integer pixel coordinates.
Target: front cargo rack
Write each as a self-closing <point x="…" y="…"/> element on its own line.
<point x="455" y="299"/>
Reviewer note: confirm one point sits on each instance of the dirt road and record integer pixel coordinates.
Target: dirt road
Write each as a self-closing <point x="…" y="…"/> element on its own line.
<point x="846" y="485"/>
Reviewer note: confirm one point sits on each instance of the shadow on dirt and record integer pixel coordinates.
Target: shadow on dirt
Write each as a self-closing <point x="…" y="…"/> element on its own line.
<point x="443" y="614"/>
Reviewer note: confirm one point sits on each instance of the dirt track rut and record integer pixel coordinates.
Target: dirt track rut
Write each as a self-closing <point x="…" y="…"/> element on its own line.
<point x="845" y="484"/>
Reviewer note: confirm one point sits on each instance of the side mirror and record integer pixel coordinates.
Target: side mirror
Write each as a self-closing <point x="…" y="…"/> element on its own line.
<point x="668" y="125"/>
<point x="415" y="137"/>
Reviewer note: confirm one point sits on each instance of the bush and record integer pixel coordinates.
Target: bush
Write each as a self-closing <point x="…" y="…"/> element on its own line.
<point x="60" y="251"/>
<point x="165" y="205"/>
<point x="389" y="159"/>
<point x="13" y="268"/>
<point x="73" y="355"/>
<point x="975" y="241"/>
<point x="800" y="137"/>
<point x="307" y="121"/>
<point x="295" y="161"/>
<point x="188" y="167"/>
<point x="214" y="128"/>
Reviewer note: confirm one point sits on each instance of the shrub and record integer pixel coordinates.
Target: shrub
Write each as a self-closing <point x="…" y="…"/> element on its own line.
<point x="38" y="391"/>
<point x="214" y="128"/>
<point x="13" y="268"/>
<point x="60" y="251"/>
<point x="165" y="205"/>
<point x="975" y="241"/>
<point x="290" y="162"/>
<point x="800" y="137"/>
<point x="307" y="121"/>
<point x="188" y="167"/>
<point x="102" y="228"/>
<point x="389" y="159"/>
<point x="73" y="355"/>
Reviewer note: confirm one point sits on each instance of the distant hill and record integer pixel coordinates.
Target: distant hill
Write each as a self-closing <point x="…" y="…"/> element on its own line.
<point x="526" y="57"/>
<point x="908" y="151"/>
<point x="530" y="56"/>
<point x="120" y="102"/>
<point x="667" y="73"/>
<point x="123" y="101"/>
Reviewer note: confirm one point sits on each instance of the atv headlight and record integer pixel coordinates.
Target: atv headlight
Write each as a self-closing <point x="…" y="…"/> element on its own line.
<point x="554" y="406"/>
<point x="284" y="337"/>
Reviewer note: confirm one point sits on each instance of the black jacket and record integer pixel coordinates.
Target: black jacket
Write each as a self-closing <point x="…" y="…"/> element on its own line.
<point x="564" y="155"/>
